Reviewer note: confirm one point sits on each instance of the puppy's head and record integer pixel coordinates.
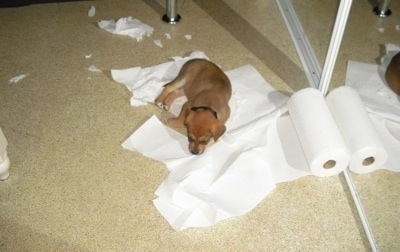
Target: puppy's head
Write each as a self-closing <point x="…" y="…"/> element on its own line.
<point x="202" y="126"/>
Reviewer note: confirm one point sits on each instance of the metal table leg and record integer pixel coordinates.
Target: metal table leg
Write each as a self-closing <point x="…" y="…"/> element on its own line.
<point x="172" y="16"/>
<point x="383" y="9"/>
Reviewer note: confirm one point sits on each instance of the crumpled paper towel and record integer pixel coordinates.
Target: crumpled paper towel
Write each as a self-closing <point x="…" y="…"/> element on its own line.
<point x="128" y="26"/>
<point x="380" y="101"/>
<point x="92" y="11"/>
<point x="93" y="68"/>
<point x="232" y="176"/>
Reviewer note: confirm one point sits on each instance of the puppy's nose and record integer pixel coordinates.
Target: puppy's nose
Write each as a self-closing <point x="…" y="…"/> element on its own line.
<point x="194" y="152"/>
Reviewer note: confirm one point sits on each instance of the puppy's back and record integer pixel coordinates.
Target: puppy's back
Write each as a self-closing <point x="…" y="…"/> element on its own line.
<point x="202" y="75"/>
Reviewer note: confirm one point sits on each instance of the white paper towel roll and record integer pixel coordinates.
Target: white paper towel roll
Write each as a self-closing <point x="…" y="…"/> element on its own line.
<point x="365" y="147"/>
<point x="321" y="141"/>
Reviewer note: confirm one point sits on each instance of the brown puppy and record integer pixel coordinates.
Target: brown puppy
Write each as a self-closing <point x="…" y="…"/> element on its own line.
<point x="392" y="74"/>
<point x="208" y="91"/>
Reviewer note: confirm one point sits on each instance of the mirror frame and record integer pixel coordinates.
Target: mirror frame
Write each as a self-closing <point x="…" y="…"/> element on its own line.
<point x="320" y="79"/>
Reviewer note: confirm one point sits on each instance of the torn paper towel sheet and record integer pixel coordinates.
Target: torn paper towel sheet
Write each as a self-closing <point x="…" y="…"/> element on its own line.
<point x="158" y="43"/>
<point x="232" y="176"/>
<point x="93" y="68"/>
<point x="389" y="132"/>
<point x="369" y="81"/>
<point x="18" y="78"/>
<point x="374" y="91"/>
<point x="92" y="11"/>
<point x="128" y="26"/>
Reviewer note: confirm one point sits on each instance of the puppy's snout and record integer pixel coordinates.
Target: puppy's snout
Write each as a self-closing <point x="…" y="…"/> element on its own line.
<point x="195" y="152"/>
<point x="195" y="149"/>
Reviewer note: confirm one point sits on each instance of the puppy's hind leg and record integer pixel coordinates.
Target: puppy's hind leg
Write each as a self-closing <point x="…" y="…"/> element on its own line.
<point x="171" y="97"/>
<point x="159" y="101"/>
<point x="171" y="91"/>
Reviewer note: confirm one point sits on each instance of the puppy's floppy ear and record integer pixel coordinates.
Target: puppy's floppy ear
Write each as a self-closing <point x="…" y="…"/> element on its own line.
<point x="188" y="117"/>
<point x="218" y="130"/>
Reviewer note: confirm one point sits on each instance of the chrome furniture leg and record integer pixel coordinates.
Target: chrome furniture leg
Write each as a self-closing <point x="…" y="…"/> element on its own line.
<point x="383" y="9"/>
<point x="171" y="17"/>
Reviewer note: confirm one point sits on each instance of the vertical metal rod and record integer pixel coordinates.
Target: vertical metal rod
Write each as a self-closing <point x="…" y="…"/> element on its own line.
<point x="172" y="16"/>
<point x="360" y="210"/>
<point x="304" y="49"/>
<point x="171" y="8"/>
<point x="334" y="45"/>
<point x="382" y="10"/>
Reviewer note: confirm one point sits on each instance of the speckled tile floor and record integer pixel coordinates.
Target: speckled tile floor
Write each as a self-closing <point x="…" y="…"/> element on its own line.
<point x="74" y="188"/>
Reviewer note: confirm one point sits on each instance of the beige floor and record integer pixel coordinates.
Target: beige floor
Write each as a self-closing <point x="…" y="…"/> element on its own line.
<point x="74" y="188"/>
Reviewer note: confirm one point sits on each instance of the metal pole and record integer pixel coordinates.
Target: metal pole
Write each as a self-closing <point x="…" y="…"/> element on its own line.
<point x="333" y="50"/>
<point x="172" y="16"/>
<point x="360" y="210"/>
<point x="383" y="9"/>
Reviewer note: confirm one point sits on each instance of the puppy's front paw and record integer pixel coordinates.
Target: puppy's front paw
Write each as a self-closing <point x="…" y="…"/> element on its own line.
<point x="161" y="104"/>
